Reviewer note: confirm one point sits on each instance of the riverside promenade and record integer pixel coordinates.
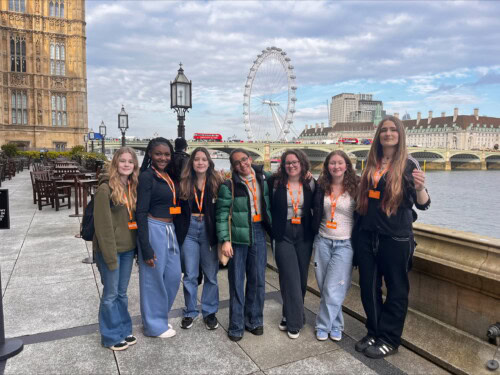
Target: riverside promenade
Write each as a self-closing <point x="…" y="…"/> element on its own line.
<point x="51" y="301"/>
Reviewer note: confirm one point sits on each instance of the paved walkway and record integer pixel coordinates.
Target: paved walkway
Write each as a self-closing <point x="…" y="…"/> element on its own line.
<point x="51" y="301"/>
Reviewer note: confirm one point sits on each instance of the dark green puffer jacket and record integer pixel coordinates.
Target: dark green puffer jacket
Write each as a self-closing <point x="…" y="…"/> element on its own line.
<point x="240" y="226"/>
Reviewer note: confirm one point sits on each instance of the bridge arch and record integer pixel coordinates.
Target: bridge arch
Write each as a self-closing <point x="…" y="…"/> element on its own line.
<point x="465" y="157"/>
<point x="431" y="156"/>
<point x="493" y="161"/>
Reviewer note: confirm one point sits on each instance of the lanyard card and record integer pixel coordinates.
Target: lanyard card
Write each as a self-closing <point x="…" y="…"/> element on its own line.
<point x="331" y="224"/>
<point x="175" y="210"/>
<point x="296" y="220"/>
<point x="374" y="194"/>
<point x="132" y="225"/>
<point x="257" y="218"/>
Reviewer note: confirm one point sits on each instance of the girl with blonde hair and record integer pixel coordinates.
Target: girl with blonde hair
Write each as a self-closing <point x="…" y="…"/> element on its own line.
<point x="391" y="184"/>
<point x="114" y="246"/>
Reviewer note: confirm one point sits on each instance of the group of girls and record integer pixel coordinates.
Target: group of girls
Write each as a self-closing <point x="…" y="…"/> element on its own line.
<point x="346" y="219"/>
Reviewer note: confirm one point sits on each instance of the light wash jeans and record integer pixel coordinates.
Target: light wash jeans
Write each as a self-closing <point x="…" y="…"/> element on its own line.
<point x="114" y="319"/>
<point x="195" y="251"/>
<point x="333" y="267"/>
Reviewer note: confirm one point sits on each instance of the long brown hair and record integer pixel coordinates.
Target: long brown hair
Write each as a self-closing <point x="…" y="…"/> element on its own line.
<point x="281" y="175"/>
<point x="393" y="195"/>
<point x="117" y="188"/>
<point x="350" y="181"/>
<point x="188" y="176"/>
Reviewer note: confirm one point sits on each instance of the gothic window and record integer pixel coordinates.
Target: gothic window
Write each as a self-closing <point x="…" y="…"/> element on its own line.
<point x="17" y="54"/>
<point x="56" y="8"/>
<point x="19" y="108"/>
<point x="59" y="113"/>
<point x="57" y="59"/>
<point x="17" y="5"/>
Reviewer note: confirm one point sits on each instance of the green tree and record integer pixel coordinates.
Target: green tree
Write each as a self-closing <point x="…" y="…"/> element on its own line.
<point x="10" y="150"/>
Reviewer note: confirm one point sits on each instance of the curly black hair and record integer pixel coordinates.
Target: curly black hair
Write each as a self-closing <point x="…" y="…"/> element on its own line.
<point x="146" y="162"/>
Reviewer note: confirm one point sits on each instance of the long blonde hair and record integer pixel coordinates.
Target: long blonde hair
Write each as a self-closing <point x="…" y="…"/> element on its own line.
<point x="117" y="188"/>
<point x="188" y="176"/>
<point x="393" y="195"/>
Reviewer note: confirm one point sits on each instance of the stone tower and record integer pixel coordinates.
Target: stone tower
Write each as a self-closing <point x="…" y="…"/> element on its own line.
<point x="43" y="73"/>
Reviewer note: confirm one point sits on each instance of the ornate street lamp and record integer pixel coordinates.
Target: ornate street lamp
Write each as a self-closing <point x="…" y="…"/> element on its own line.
<point x="102" y="130"/>
<point x="85" y="139"/>
<point x="91" y="138"/>
<point x="123" y="123"/>
<point x="180" y="99"/>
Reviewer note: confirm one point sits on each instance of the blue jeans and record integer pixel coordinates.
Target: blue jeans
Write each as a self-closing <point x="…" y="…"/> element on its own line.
<point x="114" y="320"/>
<point x="247" y="309"/>
<point x="196" y="249"/>
<point x="158" y="285"/>
<point x="333" y="267"/>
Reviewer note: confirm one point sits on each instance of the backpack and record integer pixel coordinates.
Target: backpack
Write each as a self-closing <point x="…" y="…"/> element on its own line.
<point x="87" y="229"/>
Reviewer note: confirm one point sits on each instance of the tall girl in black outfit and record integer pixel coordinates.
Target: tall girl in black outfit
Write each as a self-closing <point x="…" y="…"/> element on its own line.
<point x="383" y="242"/>
<point x="291" y="207"/>
<point x="159" y="254"/>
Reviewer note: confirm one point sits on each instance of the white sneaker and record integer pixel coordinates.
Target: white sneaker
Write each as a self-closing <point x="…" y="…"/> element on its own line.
<point x="169" y="326"/>
<point x="169" y="333"/>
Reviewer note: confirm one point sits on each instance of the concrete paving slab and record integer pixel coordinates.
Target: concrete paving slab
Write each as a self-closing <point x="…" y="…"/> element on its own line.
<point x="336" y="362"/>
<point x="41" y="247"/>
<point x="193" y="351"/>
<point x="76" y="355"/>
<point x="11" y="249"/>
<point x="284" y="349"/>
<point x="6" y="267"/>
<point x="52" y="231"/>
<point x="44" y="308"/>
<point x="49" y="269"/>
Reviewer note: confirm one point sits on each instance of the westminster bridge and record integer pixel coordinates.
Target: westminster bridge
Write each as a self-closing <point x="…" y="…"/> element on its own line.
<point x="263" y="152"/>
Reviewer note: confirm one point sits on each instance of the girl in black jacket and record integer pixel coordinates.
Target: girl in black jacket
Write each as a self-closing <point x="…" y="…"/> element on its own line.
<point x="195" y="229"/>
<point x="291" y="212"/>
<point x="391" y="184"/>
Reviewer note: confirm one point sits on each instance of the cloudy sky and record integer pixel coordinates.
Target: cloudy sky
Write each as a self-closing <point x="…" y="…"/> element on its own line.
<point x="414" y="56"/>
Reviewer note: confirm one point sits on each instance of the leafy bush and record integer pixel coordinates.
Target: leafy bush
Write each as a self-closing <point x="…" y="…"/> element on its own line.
<point x="77" y="150"/>
<point x="10" y="150"/>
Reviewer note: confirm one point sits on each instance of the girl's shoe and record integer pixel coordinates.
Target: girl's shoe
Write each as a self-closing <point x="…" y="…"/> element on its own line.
<point x="169" y="333"/>
<point x="321" y="335"/>
<point x="336" y="335"/>
<point x="131" y="340"/>
<point x="294" y="334"/>
<point x="120" y="346"/>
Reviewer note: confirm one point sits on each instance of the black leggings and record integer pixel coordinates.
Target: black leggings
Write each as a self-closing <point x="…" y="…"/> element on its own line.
<point x="388" y="257"/>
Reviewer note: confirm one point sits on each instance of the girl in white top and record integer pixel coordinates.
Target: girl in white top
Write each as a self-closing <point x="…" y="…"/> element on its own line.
<point x="332" y="223"/>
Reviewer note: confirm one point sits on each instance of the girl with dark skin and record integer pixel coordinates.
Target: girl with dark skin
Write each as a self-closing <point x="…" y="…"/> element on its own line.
<point x="159" y="253"/>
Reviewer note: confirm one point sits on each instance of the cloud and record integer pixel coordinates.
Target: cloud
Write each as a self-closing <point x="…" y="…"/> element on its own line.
<point x="403" y="51"/>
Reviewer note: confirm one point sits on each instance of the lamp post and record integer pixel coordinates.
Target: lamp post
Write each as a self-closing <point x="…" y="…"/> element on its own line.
<point x="91" y="138"/>
<point x="102" y="130"/>
<point x="180" y="99"/>
<point x="85" y="139"/>
<point x="123" y="123"/>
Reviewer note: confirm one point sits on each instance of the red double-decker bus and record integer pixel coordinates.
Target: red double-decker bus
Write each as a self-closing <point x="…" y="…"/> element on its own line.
<point x="207" y="137"/>
<point x="351" y="141"/>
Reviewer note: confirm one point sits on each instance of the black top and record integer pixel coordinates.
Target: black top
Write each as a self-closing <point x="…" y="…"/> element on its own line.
<point x="183" y="220"/>
<point x="400" y="224"/>
<point x="154" y="197"/>
<point x="279" y="208"/>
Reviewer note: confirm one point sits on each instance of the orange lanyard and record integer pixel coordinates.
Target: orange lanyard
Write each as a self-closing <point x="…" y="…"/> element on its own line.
<point x="295" y="205"/>
<point x="333" y="203"/>
<point x="198" y="203"/>
<point x="127" y="202"/>
<point x="253" y="189"/>
<point x="378" y="175"/>
<point x="169" y="182"/>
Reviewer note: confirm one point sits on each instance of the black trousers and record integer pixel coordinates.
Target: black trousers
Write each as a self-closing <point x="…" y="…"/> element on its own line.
<point x="293" y="255"/>
<point x="386" y="257"/>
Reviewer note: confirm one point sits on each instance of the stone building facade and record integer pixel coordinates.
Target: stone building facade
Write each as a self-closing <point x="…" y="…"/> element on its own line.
<point x="460" y="132"/>
<point x="43" y="79"/>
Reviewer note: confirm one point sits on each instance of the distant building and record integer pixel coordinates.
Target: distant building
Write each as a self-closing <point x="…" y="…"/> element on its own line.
<point x="347" y="107"/>
<point x="43" y="80"/>
<point x="406" y="116"/>
<point x="463" y="132"/>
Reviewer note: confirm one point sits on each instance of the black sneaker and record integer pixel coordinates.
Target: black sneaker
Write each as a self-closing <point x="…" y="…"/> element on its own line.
<point x="234" y="338"/>
<point x="187" y="322"/>
<point x="364" y="343"/>
<point x="131" y="340"/>
<point x="120" y="346"/>
<point x="211" y="322"/>
<point x="257" y="331"/>
<point x="380" y="350"/>
<point x="282" y="326"/>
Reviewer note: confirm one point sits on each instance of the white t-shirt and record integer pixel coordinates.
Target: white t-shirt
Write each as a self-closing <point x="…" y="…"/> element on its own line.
<point x="343" y="217"/>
